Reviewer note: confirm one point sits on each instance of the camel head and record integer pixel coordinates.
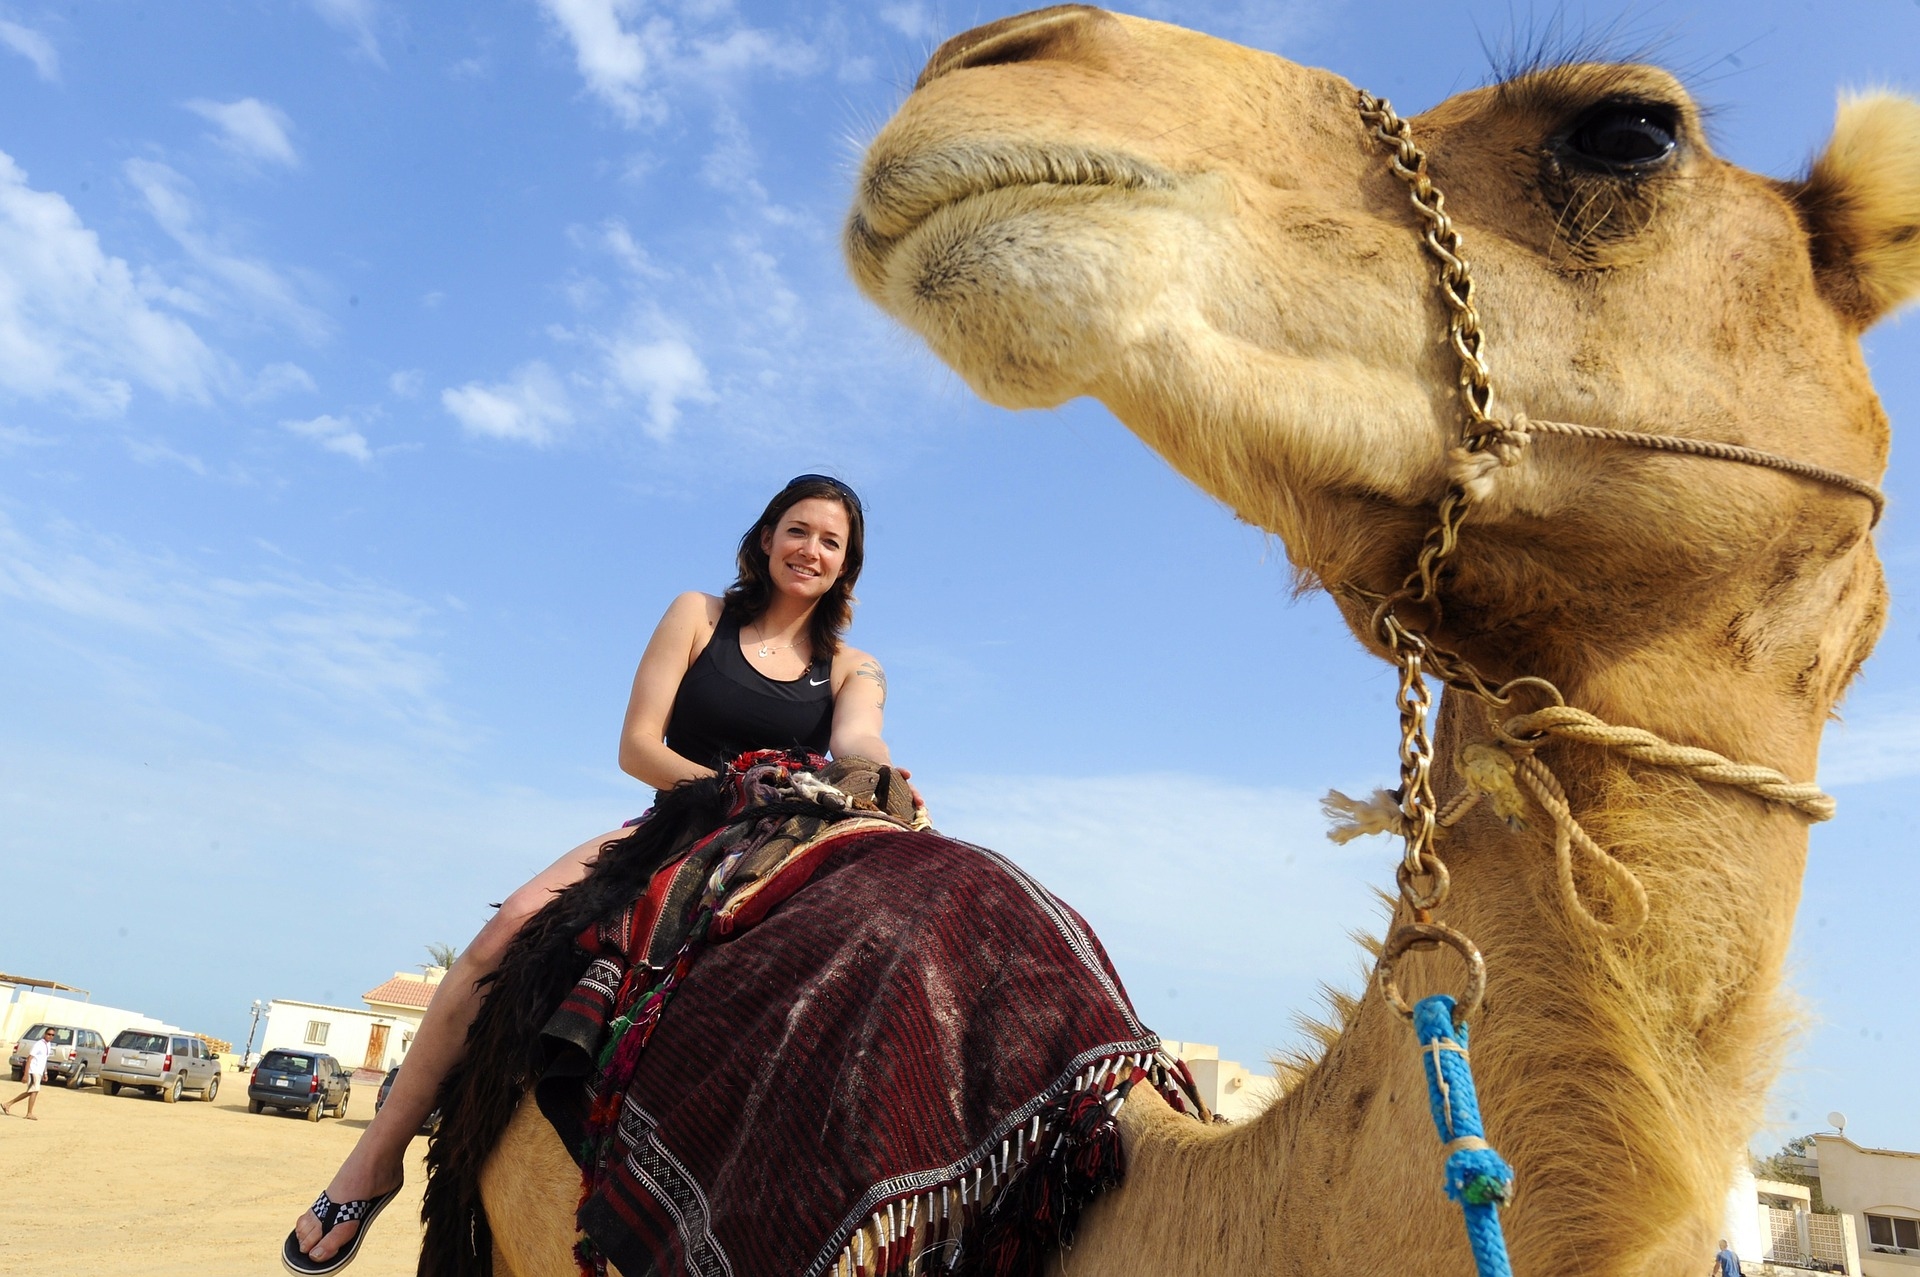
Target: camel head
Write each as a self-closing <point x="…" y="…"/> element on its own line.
<point x="1209" y="240"/>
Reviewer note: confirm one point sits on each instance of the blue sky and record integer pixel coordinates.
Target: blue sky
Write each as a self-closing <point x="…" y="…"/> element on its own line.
<point x="372" y="375"/>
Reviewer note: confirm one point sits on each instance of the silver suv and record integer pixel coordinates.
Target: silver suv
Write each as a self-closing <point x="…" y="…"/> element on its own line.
<point x="76" y="1057"/>
<point x="163" y="1063"/>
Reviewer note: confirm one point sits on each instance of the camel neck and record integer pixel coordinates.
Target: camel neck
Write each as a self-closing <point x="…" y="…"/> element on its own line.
<point x="1619" y="1076"/>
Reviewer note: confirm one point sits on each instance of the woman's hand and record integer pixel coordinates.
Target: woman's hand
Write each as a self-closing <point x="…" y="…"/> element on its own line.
<point x="919" y="799"/>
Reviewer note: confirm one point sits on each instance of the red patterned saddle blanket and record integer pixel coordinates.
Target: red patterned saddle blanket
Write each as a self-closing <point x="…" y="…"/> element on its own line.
<point x="826" y="1040"/>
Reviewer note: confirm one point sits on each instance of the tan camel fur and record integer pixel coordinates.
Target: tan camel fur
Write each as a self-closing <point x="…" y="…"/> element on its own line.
<point x="1206" y="239"/>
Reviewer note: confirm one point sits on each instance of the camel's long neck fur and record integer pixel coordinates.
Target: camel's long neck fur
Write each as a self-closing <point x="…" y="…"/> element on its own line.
<point x="1620" y="1077"/>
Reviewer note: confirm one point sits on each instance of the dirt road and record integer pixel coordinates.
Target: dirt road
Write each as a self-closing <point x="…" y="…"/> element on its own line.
<point x="127" y="1184"/>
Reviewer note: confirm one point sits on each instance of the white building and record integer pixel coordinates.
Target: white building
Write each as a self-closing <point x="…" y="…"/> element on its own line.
<point x="29" y="1001"/>
<point x="1771" y="1226"/>
<point x="1878" y="1191"/>
<point x="1227" y="1087"/>
<point x="376" y="1038"/>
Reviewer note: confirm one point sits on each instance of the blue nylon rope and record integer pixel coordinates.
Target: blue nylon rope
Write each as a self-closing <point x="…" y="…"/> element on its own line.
<point x="1475" y="1177"/>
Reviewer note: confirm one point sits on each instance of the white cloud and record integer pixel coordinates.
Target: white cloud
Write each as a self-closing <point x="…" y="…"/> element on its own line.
<point x="527" y="409"/>
<point x="407" y="383"/>
<point x="32" y="46"/>
<point x="913" y="20"/>
<point x="14" y="438"/>
<point x="255" y="129"/>
<point x="356" y="18"/>
<point x="665" y="372"/>
<point x="1223" y="905"/>
<point x="352" y="639"/>
<point x="1226" y="859"/>
<point x="158" y="452"/>
<point x="611" y="59"/>
<point x="622" y="58"/>
<point x="619" y="241"/>
<point x="75" y="323"/>
<point x="1879" y="739"/>
<point x="335" y="435"/>
<point x="746" y="49"/>
<point x="279" y="379"/>
<point x="151" y="452"/>
<point x="732" y="166"/>
<point x="242" y="282"/>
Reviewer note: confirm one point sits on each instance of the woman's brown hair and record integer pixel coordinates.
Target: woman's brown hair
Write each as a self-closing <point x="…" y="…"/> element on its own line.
<point x="750" y="593"/>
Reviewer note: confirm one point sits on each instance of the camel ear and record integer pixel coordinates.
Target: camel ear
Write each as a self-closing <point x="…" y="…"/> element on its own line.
<point x="1862" y="205"/>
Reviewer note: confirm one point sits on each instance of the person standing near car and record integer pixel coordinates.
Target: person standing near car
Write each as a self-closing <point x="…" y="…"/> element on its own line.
<point x="36" y="1073"/>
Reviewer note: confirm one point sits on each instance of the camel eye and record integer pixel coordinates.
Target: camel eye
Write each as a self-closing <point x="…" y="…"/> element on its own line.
<point x="1628" y="136"/>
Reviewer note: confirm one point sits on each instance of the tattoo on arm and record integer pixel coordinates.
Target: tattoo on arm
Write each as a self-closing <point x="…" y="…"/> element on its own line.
<point x="872" y="670"/>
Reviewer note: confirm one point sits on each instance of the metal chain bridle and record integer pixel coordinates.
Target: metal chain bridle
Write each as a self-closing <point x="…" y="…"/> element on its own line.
<point x="1405" y="641"/>
<point x="1486" y="441"/>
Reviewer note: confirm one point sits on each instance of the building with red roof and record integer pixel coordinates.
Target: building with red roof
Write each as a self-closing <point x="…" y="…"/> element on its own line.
<point x="375" y="1039"/>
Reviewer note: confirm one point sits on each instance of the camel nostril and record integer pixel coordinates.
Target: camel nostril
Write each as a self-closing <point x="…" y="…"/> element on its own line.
<point x="1057" y="32"/>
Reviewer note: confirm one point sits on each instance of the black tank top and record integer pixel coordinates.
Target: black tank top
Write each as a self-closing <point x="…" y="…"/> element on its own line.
<point x="725" y="707"/>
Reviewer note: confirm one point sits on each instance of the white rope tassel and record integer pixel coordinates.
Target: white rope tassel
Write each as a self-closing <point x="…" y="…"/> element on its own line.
<point x="1355" y="818"/>
<point x="814" y="790"/>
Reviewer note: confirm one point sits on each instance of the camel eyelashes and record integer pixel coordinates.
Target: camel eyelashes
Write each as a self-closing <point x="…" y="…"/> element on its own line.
<point x="1630" y="138"/>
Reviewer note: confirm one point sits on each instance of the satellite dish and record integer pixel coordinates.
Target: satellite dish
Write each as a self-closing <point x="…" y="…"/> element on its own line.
<point x="1838" y="1121"/>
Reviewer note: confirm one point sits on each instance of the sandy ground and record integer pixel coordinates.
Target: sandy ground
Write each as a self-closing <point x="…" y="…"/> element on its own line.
<point x="127" y="1184"/>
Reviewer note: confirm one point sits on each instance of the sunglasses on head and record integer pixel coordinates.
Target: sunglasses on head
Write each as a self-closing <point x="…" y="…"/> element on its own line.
<point x="852" y="497"/>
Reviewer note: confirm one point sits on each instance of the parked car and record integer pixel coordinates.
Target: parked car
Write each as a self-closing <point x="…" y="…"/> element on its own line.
<point x="76" y="1057"/>
<point x="305" y="1080"/>
<point x="162" y="1063"/>
<point x="428" y="1127"/>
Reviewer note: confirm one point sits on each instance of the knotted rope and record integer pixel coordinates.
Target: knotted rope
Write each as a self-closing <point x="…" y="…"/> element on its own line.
<point x="1475" y="1175"/>
<point x="1643" y="746"/>
<point x="1500" y="772"/>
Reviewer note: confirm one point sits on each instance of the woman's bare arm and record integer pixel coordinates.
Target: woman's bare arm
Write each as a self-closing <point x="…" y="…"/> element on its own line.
<point x="670" y="653"/>
<point x="859" y="702"/>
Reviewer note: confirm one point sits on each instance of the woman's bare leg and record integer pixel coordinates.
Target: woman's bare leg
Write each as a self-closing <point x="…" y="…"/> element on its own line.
<point x="376" y="1163"/>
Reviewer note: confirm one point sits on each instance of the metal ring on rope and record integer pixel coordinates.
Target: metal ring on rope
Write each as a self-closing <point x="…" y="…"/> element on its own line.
<point x="1408" y="934"/>
<point x="1431" y="866"/>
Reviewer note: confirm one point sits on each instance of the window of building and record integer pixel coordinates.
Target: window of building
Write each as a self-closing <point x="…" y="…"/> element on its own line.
<point x="317" y="1032"/>
<point x="1890" y="1230"/>
<point x="406" y="1040"/>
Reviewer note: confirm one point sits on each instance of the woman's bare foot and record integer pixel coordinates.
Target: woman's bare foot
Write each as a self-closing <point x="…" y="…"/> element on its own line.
<point x="360" y="1178"/>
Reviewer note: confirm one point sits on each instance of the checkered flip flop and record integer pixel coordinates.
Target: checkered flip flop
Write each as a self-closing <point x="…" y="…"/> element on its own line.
<point x="331" y="1215"/>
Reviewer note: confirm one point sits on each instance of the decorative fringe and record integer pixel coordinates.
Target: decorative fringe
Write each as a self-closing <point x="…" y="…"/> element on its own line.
<point x="1007" y="1214"/>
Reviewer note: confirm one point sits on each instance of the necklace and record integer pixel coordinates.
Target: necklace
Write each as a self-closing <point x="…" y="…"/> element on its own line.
<point x="768" y="649"/>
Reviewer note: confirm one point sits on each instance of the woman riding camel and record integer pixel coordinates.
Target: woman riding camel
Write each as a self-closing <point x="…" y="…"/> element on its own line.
<point x="761" y="667"/>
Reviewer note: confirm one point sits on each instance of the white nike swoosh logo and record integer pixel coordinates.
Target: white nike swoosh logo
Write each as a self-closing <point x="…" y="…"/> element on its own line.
<point x="822" y="683"/>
